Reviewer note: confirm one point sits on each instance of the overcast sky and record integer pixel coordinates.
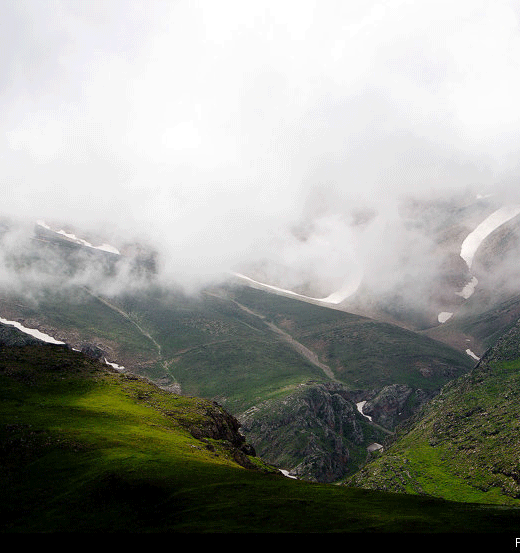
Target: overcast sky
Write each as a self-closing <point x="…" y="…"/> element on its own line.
<point x="216" y="127"/>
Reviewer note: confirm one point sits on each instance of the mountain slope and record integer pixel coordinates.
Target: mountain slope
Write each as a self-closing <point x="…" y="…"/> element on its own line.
<point x="251" y="351"/>
<point x="361" y="352"/>
<point x="464" y="446"/>
<point x="256" y="353"/>
<point x="87" y="449"/>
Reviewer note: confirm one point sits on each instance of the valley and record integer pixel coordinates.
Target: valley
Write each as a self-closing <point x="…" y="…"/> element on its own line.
<point x="293" y="370"/>
<point x="259" y="269"/>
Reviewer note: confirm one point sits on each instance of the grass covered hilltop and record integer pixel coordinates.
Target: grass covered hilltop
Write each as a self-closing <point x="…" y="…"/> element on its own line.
<point x="87" y="449"/>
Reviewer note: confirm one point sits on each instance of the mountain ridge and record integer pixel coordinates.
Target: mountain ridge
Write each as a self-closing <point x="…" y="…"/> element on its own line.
<point x="88" y="449"/>
<point x="248" y="348"/>
<point x="463" y="444"/>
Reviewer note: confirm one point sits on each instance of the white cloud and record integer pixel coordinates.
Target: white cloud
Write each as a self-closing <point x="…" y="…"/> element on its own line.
<point x="208" y="126"/>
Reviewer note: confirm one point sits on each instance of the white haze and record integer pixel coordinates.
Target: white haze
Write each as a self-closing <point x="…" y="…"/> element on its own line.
<point x="233" y="131"/>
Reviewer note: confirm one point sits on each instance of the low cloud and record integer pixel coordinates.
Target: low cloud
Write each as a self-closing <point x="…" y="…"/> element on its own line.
<point x="227" y="134"/>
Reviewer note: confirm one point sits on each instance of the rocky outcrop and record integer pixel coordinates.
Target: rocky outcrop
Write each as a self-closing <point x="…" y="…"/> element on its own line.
<point x="218" y="424"/>
<point x="93" y="351"/>
<point x="394" y="404"/>
<point x="315" y="433"/>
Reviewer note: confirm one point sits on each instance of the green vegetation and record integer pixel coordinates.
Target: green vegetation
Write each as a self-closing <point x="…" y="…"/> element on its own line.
<point x="216" y="350"/>
<point x="220" y="344"/>
<point x="363" y="353"/>
<point x="464" y="446"/>
<point x="84" y="318"/>
<point x="85" y="449"/>
<point x="244" y="348"/>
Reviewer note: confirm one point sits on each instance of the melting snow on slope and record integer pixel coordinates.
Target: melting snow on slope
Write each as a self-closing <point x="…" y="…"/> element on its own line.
<point x="475" y="238"/>
<point x="32" y="332"/>
<point x="334" y="298"/>
<point x="360" y="406"/>
<point x="74" y="238"/>
<point x="444" y="316"/>
<point x="114" y="365"/>
<point x="471" y="354"/>
<point x="468" y="290"/>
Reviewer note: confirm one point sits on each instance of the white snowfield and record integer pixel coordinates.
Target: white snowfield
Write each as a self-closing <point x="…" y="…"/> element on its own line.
<point x="74" y="238"/>
<point x="32" y="332"/>
<point x="35" y="333"/>
<point x="333" y="299"/>
<point x="475" y="238"/>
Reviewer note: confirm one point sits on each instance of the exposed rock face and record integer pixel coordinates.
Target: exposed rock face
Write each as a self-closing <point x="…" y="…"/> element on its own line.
<point x="312" y="432"/>
<point x="395" y="403"/>
<point x="92" y="351"/>
<point x="220" y="425"/>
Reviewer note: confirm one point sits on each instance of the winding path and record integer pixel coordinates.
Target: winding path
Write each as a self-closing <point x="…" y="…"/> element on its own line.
<point x="118" y="310"/>
<point x="299" y="347"/>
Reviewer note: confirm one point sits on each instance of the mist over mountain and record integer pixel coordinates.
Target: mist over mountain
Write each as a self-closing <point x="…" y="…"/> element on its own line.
<point x="175" y="175"/>
<point x="282" y="140"/>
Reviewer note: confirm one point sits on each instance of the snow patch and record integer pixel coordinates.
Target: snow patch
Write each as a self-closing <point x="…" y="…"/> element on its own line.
<point x="35" y="333"/>
<point x="468" y="290"/>
<point x="77" y="240"/>
<point x="360" y="406"/>
<point x="334" y="298"/>
<point x="114" y="365"/>
<point x="475" y="238"/>
<point x="471" y="354"/>
<point x="444" y="316"/>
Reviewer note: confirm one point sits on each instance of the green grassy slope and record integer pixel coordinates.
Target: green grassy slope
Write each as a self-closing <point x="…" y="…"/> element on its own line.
<point x="363" y="353"/>
<point x="464" y="446"/>
<point x="220" y="345"/>
<point x="216" y="350"/>
<point x="84" y="449"/>
<point x="77" y="317"/>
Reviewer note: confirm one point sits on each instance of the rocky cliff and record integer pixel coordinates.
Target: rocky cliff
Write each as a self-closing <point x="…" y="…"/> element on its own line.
<point x="394" y="404"/>
<point x="316" y="432"/>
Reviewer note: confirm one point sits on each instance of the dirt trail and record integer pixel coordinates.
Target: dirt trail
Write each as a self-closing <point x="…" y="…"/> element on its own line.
<point x="299" y="347"/>
<point x="127" y="316"/>
<point x="303" y="350"/>
<point x="164" y="362"/>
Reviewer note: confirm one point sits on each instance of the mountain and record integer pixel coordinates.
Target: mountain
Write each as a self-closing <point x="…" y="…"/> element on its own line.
<point x="463" y="445"/>
<point x="252" y="351"/>
<point x="315" y="383"/>
<point x="443" y="267"/>
<point x="85" y="448"/>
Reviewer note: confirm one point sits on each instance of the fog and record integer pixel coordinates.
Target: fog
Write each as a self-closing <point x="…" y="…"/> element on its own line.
<point x="229" y="133"/>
